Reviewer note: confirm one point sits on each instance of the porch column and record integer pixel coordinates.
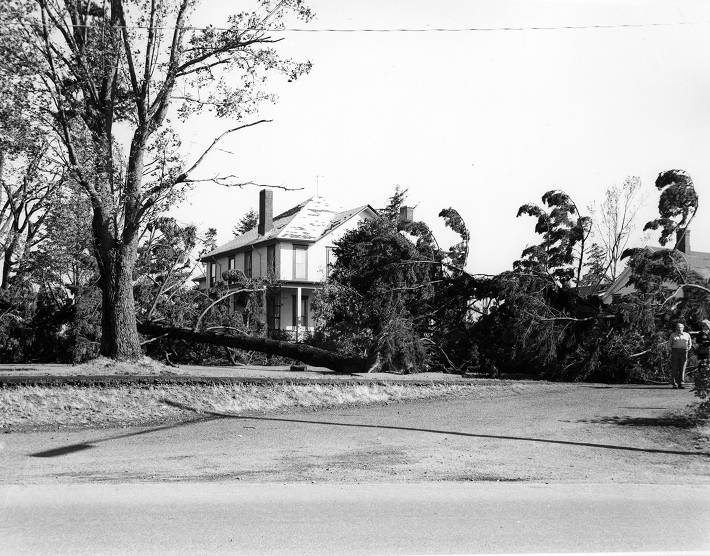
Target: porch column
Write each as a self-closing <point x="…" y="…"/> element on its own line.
<point x="298" y="311"/>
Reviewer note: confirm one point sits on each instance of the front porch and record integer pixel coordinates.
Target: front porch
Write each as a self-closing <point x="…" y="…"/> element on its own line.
<point x="289" y="310"/>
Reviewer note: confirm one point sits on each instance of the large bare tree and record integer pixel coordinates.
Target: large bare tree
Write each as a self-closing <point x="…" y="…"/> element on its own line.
<point x="614" y="224"/>
<point x="109" y="74"/>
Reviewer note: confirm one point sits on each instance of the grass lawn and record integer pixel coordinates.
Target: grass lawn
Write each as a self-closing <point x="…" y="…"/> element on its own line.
<point x="41" y="407"/>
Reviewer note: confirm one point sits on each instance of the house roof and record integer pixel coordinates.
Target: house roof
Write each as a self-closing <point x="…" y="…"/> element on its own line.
<point x="698" y="261"/>
<point x="307" y="221"/>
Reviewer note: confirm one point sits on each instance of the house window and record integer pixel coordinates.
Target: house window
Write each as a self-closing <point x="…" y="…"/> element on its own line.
<point x="271" y="260"/>
<point x="304" y="310"/>
<point x="230" y="263"/>
<point x="213" y="275"/>
<point x="247" y="264"/>
<point x="329" y="260"/>
<point x="300" y="262"/>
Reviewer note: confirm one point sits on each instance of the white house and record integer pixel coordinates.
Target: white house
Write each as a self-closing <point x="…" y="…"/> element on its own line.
<point x="294" y="248"/>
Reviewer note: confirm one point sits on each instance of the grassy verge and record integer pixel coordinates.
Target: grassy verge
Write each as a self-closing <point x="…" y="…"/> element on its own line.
<point x="699" y="415"/>
<point x="40" y="407"/>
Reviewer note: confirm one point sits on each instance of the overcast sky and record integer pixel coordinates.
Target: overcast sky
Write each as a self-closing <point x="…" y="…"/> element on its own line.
<point x="481" y="121"/>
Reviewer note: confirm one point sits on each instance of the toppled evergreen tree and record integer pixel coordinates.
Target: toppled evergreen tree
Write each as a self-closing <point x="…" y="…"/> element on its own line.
<point x="394" y="294"/>
<point x="542" y="325"/>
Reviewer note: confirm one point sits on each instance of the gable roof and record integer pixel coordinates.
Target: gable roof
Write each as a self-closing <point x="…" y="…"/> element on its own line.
<point x="307" y="221"/>
<point x="343" y="217"/>
<point x="698" y="261"/>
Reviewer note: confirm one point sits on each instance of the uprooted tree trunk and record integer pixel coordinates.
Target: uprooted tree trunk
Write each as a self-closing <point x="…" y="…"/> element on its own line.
<point x="301" y="352"/>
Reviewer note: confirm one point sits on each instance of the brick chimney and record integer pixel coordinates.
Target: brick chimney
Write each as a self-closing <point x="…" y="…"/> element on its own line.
<point x="406" y="214"/>
<point x="266" y="211"/>
<point x="684" y="241"/>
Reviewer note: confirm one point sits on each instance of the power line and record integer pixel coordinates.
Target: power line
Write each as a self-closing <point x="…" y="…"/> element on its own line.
<point x="403" y="29"/>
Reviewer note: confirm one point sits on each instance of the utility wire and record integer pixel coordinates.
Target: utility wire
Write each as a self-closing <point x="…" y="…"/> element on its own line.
<point x="400" y="29"/>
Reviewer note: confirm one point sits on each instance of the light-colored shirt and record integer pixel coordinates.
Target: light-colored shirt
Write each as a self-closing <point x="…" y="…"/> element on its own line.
<point x="680" y="340"/>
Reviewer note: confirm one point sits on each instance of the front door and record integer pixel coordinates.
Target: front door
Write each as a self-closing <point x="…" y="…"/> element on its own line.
<point x="273" y="312"/>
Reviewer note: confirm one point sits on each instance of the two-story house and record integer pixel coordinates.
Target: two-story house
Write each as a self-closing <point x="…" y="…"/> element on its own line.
<point x="294" y="248"/>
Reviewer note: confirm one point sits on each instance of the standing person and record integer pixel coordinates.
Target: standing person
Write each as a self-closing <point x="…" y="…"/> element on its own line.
<point x="680" y="346"/>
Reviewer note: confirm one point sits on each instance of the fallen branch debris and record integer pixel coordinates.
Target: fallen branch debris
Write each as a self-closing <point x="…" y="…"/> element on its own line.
<point x="301" y="352"/>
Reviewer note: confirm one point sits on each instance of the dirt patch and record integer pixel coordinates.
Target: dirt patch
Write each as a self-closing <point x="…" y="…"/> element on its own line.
<point x="104" y="366"/>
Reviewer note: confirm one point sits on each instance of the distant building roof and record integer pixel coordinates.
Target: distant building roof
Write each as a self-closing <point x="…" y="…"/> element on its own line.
<point x="307" y="221"/>
<point x="698" y="261"/>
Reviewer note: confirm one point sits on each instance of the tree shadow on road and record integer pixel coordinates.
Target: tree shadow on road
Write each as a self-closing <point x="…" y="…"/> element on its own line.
<point x="212" y="415"/>
<point x="72" y="448"/>
<point x="625" y="387"/>
<point x="676" y="421"/>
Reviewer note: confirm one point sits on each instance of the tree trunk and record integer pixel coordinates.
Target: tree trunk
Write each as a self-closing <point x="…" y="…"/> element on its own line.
<point x="301" y="352"/>
<point x="6" y="268"/>
<point x="119" y="332"/>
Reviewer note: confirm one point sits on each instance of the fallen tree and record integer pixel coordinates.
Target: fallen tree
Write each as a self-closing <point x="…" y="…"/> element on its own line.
<point x="301" y="352"/>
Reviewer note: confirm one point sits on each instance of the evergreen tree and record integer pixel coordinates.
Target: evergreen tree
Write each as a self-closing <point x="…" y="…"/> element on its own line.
<point x="246" y="223"/>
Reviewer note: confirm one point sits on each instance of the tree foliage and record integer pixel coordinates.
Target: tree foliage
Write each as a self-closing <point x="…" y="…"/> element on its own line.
<point x="51" y="307"/>
<point x="539" y="324"/>
<point x="677" y="204"/>
<point x="564" y="234"/>
<point x="246" y="223"/>
<point x="394" y="294"/>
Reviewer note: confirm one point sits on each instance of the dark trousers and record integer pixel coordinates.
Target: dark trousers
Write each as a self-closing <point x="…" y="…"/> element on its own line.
<point x="679" y="359"/>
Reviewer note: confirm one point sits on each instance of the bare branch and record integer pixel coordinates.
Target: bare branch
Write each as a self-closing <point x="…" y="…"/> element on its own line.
<point x="233" y="292"/>
<point x="153" y="339"/>
<point x="220" y="180"/>
<point x="573" y="319"/>
<point x="182" y="177"/>
<point x="680" y="288"/>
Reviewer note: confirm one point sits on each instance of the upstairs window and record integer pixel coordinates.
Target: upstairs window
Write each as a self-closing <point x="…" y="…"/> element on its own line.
<point x="300" y="262"/>
<point x="230" y="263"/>
<point x="247" y="264"/>
<point x="213" y="275"/>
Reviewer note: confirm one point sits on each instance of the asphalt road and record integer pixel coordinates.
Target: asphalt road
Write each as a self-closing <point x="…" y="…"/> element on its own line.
<point x="514" y="468"/>
<point x="444" y="518"/>
<point x="510" y="432"/>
